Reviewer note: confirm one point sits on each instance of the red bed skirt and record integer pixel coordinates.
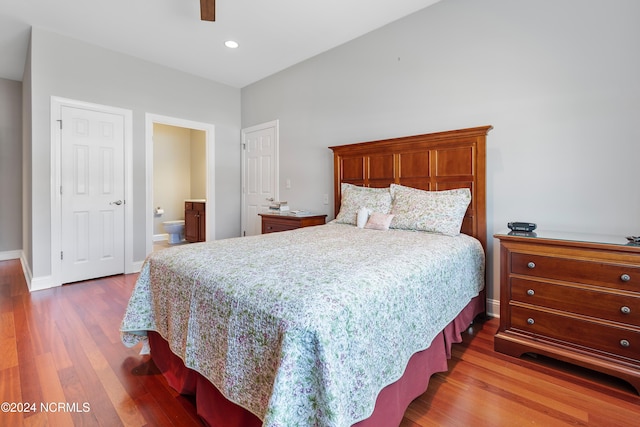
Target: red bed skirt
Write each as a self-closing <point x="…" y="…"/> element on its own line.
<point x="391" y="404"/>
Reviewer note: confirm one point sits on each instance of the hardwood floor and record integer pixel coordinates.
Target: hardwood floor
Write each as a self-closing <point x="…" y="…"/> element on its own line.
<point x="60" y="351"/>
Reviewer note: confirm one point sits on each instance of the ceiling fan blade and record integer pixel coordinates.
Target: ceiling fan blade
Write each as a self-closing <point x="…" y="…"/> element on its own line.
<point x="208" y="10"/>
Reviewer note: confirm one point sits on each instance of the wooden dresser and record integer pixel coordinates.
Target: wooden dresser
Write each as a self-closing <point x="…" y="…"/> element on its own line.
<point x="572" y="297"/>
<point x="272" y="223"/>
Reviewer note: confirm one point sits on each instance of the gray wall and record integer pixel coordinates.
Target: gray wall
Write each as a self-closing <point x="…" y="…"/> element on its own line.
<point x="10" y="165"/>
<point x="559" y="81"/>
<point x="69" y="68"/>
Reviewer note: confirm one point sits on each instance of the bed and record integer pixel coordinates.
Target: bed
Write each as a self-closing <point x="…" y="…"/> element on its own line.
<point x="332" y="325"/>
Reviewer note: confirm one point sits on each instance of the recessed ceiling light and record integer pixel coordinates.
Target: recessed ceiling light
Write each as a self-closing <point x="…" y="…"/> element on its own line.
<point x="231" y="44"/>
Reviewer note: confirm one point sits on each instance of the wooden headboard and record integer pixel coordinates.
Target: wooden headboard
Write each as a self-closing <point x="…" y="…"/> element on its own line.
<point x="435" y="161"/>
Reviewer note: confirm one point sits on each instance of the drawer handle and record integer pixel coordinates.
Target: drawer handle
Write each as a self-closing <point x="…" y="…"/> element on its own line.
<point x="531" y="264"/>
<point x="531" y="292"/>
<point x="530" y="321"/>
<point x="625" y="310"/>
<point x="625" y="343"/>
<point x="625" y="277"/>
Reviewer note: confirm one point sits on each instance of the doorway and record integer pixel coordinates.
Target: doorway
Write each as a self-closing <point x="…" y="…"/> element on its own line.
<point x="164" y="127"/>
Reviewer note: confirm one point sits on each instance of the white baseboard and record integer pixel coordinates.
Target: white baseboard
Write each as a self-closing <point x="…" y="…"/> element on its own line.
<point x="135" y="267"/>
<point x="41" y="283"/>
<point x="7" y="255"/>
<point x="46" y="282"/>
<point x="493" y="308"/>
<point x="160" y="237"/>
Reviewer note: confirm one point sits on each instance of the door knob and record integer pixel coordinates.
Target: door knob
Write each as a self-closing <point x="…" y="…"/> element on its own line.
<point x="117" y="202"/>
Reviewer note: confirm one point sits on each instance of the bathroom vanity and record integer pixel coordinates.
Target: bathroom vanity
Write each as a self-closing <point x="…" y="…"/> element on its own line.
<point x="195" y="220"/>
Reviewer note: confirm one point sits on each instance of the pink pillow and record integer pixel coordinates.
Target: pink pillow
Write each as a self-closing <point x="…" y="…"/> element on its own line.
<point x="379" y="221"/>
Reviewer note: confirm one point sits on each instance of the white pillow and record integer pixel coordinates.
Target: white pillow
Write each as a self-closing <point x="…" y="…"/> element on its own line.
<point x="362" y="217"/>
<point x="354" y="198"/>
<point x="435" y="211"/>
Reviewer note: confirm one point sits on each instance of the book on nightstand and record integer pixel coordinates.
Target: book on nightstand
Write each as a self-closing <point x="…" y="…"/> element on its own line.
<point x="299" y="212"/>
<point x="279" y="207"/>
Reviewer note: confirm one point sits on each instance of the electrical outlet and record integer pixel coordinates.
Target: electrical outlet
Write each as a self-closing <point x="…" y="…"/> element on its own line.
<point x="287" y="183"/>
<point x="325" y="199"/>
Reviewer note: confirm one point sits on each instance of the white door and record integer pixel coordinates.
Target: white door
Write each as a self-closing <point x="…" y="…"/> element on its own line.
<point x="92" y="194"/>
<point x="259" y="175"/>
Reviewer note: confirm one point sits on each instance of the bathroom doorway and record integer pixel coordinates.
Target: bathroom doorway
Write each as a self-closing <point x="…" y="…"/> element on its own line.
<point x="180" y="166"/>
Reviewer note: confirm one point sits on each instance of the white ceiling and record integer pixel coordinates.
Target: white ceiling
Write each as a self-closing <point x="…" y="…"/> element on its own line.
<point x="273" y="34"/>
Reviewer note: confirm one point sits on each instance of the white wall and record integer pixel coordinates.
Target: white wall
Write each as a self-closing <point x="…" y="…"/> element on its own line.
<point x="558" y="80"/>
<point x="10" y="167"/>
<point x="72" y="69"/>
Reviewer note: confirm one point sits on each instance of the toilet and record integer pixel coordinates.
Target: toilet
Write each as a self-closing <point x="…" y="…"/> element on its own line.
<point x="175" y="230"/>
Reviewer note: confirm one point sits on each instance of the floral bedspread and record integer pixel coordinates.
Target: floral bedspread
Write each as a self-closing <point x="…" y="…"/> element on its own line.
<point x="305" y="327"/>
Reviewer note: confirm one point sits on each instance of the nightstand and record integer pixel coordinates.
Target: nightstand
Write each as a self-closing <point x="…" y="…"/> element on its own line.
<point x="572" y="297"/>
<point x="274" y="222"/>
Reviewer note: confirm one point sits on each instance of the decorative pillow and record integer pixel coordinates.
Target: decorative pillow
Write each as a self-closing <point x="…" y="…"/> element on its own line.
<point x="354" y="198"/>
<point x="434" y="211"/>
<point x="379" y="221"/>
<point x="362" y="216"/>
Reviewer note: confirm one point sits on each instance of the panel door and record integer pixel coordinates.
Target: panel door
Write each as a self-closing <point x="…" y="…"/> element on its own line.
<point x="92" y="194"/>
<point x="260" y="176"/>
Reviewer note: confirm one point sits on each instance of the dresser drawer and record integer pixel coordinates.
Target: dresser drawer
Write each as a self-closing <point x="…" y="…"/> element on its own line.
<point x="618" y="276"/>
<point x="586" y="301"/>
<point x="576" y="331"/>
<point x="272" y="226"/>
<point x="272" y="223"/>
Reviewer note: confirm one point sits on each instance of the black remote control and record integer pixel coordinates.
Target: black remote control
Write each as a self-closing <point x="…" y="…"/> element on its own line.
<point x="522" y="226"/>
